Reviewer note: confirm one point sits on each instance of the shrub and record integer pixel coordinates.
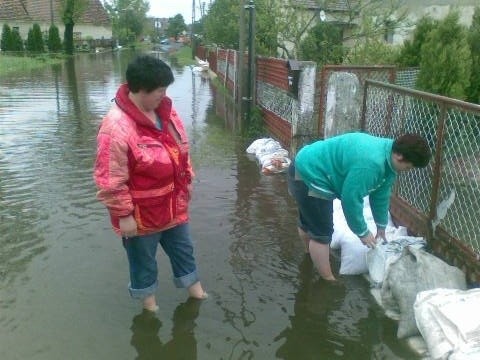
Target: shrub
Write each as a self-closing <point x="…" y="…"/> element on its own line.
<point x="35" y="39"/>
<point x="6" y="41"/>
<point x="54" y="42"/>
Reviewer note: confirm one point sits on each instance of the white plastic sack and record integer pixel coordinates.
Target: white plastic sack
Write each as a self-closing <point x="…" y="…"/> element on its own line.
<point x="352" y="250"/>
<point x="379" y="259"/>
<point x="264" y="146"/>
<point x="258" y="144"/>
<point x="270" y="155"/>
<point x="415" y="271"/>
<point x="354" y="254"/>
<point x="275" y="164"/>
<point x="449" y="321"/>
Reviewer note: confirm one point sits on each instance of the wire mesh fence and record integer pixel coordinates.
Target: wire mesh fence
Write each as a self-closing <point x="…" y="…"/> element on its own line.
<point x="447" y="192"/>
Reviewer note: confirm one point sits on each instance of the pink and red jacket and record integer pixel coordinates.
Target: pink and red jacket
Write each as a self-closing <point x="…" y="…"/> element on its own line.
<point x="141" y="170"/>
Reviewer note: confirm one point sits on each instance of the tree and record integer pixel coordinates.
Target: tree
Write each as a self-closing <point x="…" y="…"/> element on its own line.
<point x="473" y="92"/>
<point x="35" y="41"/>
<point x="266" y="34"/>
<point x="372" y="52"/>
<point x="128" y="18"/>
<point x="409" y="55"/>
<point x="445" y="63"/>
<point x="176" y="26"/>
<point x="221" y="24"/>
<point x="16" y="41"/>
<point x="11" y="39"/>
<point x="54" y="42"/>
<point x="71" y="11"/>
<point x="367" y="19"/>
<point x="6" y="42"/>
<point x="293" y="21"/>
<point x="323" y="44"/>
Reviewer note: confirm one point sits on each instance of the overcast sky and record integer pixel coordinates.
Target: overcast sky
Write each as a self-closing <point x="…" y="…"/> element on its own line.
<point x="170" y="8"/>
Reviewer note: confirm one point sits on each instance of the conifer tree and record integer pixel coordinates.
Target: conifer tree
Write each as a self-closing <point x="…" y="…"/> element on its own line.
<point x="35" y="41"/>
<point x="445" y="61"/>
<point x="16" y="41"/>
<point x="6" y="41"/>
<point x="474" y="41"/>
<point x="54" y="42"/>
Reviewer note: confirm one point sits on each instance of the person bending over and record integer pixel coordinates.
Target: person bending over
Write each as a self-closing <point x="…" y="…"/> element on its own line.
<point x="348" y="167"/>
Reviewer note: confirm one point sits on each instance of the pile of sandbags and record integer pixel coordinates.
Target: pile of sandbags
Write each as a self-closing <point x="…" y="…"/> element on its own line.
<point x="356" y="258"/>
<point x="437" y="316"/>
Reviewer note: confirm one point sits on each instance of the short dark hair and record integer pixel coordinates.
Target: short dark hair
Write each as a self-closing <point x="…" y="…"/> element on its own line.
<point x="148" y="73"/>
<point x="413" y="148"/>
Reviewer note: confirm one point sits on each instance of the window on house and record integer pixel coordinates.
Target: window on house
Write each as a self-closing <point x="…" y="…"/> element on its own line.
<point x="16" y="28"/>
<point x="77" y="35"/>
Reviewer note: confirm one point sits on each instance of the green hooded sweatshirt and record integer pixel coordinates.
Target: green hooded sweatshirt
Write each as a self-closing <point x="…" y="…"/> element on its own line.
<point x="350" y="167"/>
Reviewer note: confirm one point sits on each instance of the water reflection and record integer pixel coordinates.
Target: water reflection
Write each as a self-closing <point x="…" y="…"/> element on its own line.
<point x="340" y="309"/>
<point x="182" y="346"/>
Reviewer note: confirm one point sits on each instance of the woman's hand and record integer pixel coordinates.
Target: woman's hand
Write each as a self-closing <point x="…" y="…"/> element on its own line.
<point x="369" y="240"/>
<point x="381" y="236"/>
<point x="128" y="226"/>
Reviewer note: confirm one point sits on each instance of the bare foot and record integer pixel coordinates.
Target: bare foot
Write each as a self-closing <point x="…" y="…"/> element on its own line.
<point x="196" y="291"/>
<point x="150" y="304"/>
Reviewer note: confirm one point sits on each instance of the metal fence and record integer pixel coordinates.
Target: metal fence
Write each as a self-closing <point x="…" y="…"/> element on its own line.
<point x="442" y="201"/>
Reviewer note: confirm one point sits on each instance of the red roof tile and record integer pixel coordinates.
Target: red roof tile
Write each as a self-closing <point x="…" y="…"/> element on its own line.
<point x="39" y="11"/>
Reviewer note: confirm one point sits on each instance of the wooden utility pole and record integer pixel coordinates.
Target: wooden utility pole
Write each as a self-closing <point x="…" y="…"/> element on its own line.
<point x="251" y="59"/>
<point x="241" y="64"/>
<point x="192" y="40"/>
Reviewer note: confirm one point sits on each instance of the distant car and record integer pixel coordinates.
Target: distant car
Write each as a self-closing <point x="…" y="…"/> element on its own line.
<point x="165" y="42"/>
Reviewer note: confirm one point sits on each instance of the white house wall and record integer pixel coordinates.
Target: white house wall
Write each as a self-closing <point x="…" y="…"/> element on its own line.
<point x="86" y="31"/>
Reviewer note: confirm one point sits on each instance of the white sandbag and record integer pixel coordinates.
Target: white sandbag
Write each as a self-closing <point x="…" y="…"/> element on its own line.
<point x="353" y="254"/>
<point x="258" y="144"/>
<point x="275" y="164"/>
<point x="272" y="158"/>
<point x="352" y="250"/>
<point x="449" y="322"/>
<point x="339" y="225"/>
<point x="264" y="156"/>
<point x="385" y="253"/>
<point x="414" y="271"/>
<point x="267" y="147"/>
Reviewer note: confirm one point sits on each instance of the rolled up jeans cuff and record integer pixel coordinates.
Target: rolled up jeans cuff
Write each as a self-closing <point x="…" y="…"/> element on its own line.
<point x="142" y="293"/>
<point x="186" y="281"/>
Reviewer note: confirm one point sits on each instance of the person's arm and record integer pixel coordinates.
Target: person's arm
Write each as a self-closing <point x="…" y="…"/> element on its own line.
<point x="355" y="188"/>
<point x="380" y="203"/>
<point x="111" y="175"/>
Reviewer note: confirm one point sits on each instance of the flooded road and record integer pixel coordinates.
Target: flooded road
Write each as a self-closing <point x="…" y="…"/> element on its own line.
<point x="64" y="274"/>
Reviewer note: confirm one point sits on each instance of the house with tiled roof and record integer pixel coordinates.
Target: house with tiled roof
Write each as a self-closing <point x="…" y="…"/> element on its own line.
<point x="309" y="13"/>
<point x="346" y="14"/>
<point x="22" y="14"/>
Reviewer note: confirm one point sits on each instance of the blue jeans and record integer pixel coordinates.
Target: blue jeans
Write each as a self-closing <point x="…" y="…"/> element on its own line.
<point x="141" y="253"/>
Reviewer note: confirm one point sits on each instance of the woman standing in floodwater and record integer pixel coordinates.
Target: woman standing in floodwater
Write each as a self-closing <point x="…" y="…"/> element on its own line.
<point x="143" y="173"/>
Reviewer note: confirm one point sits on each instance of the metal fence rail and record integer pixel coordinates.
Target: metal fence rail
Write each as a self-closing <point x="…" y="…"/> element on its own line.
<point x="445" y="197"/>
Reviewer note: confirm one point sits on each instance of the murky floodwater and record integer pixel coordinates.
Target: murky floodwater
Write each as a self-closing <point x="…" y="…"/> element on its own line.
<point x="63" y="274"/>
